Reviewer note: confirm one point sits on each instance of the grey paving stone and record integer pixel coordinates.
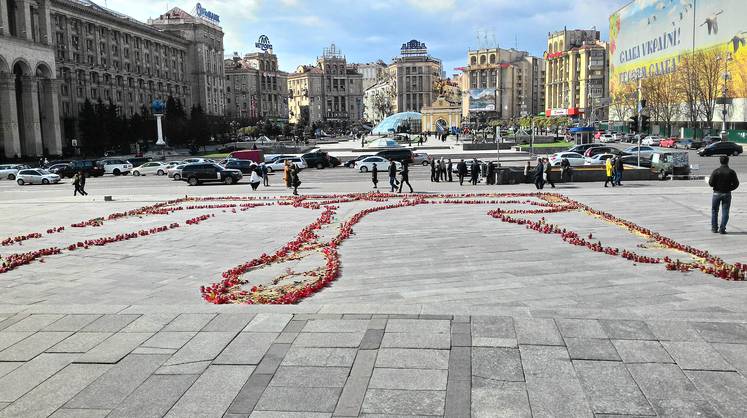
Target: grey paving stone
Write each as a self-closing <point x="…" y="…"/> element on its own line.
<point x="627" y="329"/>
<point x="460" y="364"/>
<point x="247" y="398"/>
<point x="154" y="397"/>
<point x="44" y="399"/>
<point x="80" y="413"/>
<point x="8" y="338"/>
<point x="320" y="357"/>
<point x="404" y="402"/>
<point x="268" y="323"/>
<point x="152" y="350"/>
<point x="194" y="367"/>
<point x="117" y="383"/>
<point x="722" y="332"/>
<point x="684" y="408"/>
<point x="541" y="331"/>
<point x="372" y="339"/>
<point x="553" y="397"/>
<point x="329" y="339"/>
<point x="735" y="354"/>
<point x="408" y="379"/>
<point x="377" y="323"/>
<point x="286" y="337"/>
<point x="212" y="393"/>
<point x="405" y="358"/>
<point x="246" y="348"/>
<point x="295" y="326"/>
<point x="189" y="322"/>
<point x="229" y="322"/>
<point x="364" y="363"/>
<point x="110" y="323"/>
<point x="152" y="322"/>
<point x="205" y="346"/>
<point x="610" y="388"/>
<point x="71" y="323"/>
<point x="641" y="351"/>
<point x="662" y="381"/>
<point x="580" y="328"/>
<point x="351" y="398"/>
<point x="696" y="355"/>
<point x="412" y="340"/>
<point x="114" y="348"/>
<point x="727" y="391"/>
<point x="419" y="326"/>
<point x="497" y="363"/>
<point x="591" y="349"/>
<point x="458" y="398"/>
<point x="33" y="323"/>
<point x="673" y="331"/>
<point x="279" y="414"/>
<point x="32" y="346"/>
<point x="80" y="342"/>
<point x="172" y="340"/>
<point x="309" y="377"/>
<point x="7" y="367"/>
<point x="549" y="362"/>
<point x="24" y="378"/>
<point x="499" y="399"/>
<point x="277" y="398"/>
<point x="335" y="325"/>
<point x="272" y="359"/>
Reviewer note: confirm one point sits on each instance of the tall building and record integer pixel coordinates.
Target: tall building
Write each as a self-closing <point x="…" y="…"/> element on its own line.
<point x="414" y="72"/>
<point x="371" y="72"/>
<point x="576" y="74"/>
<point x="513" y="79"/>
<point x="256" y="88"/>
<point x="329" y="91"/>
<point x="29" y="109"/>
<point x="204" y="54"/>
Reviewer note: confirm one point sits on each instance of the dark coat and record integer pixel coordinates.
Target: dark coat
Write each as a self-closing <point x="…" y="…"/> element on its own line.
<point x="462" y="168"/>
<point x="475" y="169"/>
<point x="619" y="165"/>
<point x="405" y="173"/>
<point x="392" y="170"/>
<point x="375" y="174"/>
<point x="723" y="180"/>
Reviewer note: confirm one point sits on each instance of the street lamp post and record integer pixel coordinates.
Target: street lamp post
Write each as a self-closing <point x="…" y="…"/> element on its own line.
<point x="724" y="112"/>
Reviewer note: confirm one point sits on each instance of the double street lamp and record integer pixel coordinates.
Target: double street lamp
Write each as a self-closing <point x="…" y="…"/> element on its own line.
<point x="724" y="99"/>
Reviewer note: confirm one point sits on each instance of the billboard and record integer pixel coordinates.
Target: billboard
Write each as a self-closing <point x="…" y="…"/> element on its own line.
<point x="647" y="37"/>
<point x="482" y="100"/>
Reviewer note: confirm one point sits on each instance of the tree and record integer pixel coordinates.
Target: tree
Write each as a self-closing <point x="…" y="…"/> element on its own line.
<point x="663" y="98"/>
<point x="198" y="126"/>
<point x="710" y="66"/>
<point x="175" y="122"/>
<point x="688" y="80"/>
<point x="623" y="102"/>
<point x="88" y="126"/>
<point x="383" y="96"/>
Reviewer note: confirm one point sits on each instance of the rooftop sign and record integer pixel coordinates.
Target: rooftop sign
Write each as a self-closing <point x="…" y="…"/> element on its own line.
<point x="206" y="14"/>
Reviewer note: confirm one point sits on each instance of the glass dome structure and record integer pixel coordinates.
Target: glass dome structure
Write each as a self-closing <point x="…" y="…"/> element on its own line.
<point x="390" y="124"/>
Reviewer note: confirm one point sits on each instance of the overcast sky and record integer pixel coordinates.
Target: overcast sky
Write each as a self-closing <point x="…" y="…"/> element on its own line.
<point x="367" y="30"/>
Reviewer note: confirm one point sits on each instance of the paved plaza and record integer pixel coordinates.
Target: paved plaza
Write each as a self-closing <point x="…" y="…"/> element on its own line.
<point x="439" y="309"/>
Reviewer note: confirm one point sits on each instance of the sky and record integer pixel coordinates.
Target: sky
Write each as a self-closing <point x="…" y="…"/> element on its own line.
<point x="369" y="30"/>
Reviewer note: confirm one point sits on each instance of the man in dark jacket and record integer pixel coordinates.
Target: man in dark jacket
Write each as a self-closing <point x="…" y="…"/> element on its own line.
<point x="723" y="180"/>
<point x="475" y="172"/>
<point x="619" y="167"/>
<point x="405" y="176"/>
<point x="539" y="182"/>
<point x="461" y="171"/>
<point x="448" y="170"/>
<point x="434" y="177"/>
<point x="392" y="176"/>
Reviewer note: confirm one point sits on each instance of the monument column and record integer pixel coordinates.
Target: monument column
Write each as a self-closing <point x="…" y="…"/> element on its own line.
<point x="9" y="116"/>
<point x="50" y="117"/>
<point x="32" y="141"/>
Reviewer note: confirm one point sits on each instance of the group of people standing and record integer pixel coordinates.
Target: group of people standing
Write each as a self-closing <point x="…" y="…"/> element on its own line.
<point x="290" y="176"/>
<point x="441" y="170"/>
<point x="394" y="183"/>
<point x="614" y="170"/>
<point x="542" y="173"/>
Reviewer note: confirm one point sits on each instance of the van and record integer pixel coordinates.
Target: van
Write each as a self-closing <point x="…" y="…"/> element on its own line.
<point x="248" y="154"/>
<point x="400" y="154"/>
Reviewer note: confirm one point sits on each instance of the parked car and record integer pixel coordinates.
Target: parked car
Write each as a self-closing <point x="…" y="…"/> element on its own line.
<point x="721" y="148"/>
<point x="36" y="176"/>
<point x="194" y="160"/>
<point x="138" y="161"/>
<point x="88" y="167"/>
<point x="574" y="158"/>
<point x="195" y="174"/>
<point x="115" y="166"/>
<point x="583" y="147"/>
<point x="645" y="150"/>
<point x="382" y="164"/>
<point x="469" y="163"/>
<point x="599" y="159"/>
<point x="689" y="143"/>
<point x="633" y="160"/>
<point x="175" y="172"/>
<point x="62" y="170"/>
<point x="667" y="163"/>
<point x="317" y="159"/>
<point x="602" y="150"/>
<point x="10" y="171"/>
<point x="279" y="163"/>
<point x="421" y="158"/>
<point x="173" y="164"/>
<point x="334" y="161"/>
<point x="710" y="139"/>
<point x="668" y="142"/>
<point x="606" y="138"/>
<point x="153" y="167"/>
<point x="245" y="166"/>
<point x="397" y="154"/>
<point x="248" y="154"/>
<point x="652" y="140"/>
<point x="351" y="163"/>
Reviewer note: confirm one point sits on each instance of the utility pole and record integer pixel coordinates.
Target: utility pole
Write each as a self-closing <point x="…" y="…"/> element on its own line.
<point x="640" y="120"/>
<point x="497" y="129"/>
<point x="724" y="111"/>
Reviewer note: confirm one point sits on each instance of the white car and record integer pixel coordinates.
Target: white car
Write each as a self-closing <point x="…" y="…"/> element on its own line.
<point x="382" y="164"/>
<point x="652" y="140"/>
<point x="279" y="163"/>
<point x="175" y="172"/>
<point x="606" y="138"/>
<point x="36" y="176"/>
<point x="10" y="171"/>
<point x="194" y="160"/>
<point x="645" y="151"/>
<point x="115" y="166"/>
<point x="173" y="164"/>
<point x="153" y="167"/>
<point x="574" y="158"/>
<point x="598" y="159"/>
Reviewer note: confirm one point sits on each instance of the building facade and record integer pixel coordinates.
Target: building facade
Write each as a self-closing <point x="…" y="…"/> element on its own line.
<point x="329" y="91"/>
<point x="576" y="68"/>
<point x="413" y="73"/>
<point x="29" y="108"/>
<point x="513" y="78"/>
<point x="256" y="88"/>
<point x="371" y="72"/>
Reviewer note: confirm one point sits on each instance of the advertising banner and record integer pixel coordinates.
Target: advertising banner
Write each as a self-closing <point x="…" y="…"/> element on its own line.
<point x="482" y="100"/>
<point x="648" y="37"/>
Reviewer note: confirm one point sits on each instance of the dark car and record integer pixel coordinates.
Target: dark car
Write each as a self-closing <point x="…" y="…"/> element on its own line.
<point x="334" y="161"/>
<point x="710" y="139"/>
<point x="245" y="166"/>
<point x="197" y="173"/>
<point x="138" y="161"/>
<point x="318" y="159"/>
<point x="88" y="167"/>
<point x="689" y="143"/>
<point x="602" y="150"/>
<point x="721" y="148"/>
<point x="399" y="154"/>
<point x="633" y="160"/>
<point x="351" y="163"/>
<point x="581" y="149"/>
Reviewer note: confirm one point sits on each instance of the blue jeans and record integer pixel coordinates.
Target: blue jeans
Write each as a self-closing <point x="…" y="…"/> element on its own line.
<point x="723" y="199"/>
<point x="617" y="177"/>
<point x="393" y="183"/>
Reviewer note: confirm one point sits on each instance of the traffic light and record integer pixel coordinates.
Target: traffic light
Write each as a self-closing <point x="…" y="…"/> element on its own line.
<point x="633" y="124"/>
<point x="645" y="124"/>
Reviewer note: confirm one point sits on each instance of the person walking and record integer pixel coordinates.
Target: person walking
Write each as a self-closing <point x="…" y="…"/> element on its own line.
<point x="548" y="171"/>
<point x="265" y="175"/>
<point x="295" y="181"/>
<point x="539" y="172"/>
<point x="287" y="174"/>
<point x="254" y="177"/>
<point x="79" y="184"/>
<point x="405" y="176"/>
<point x="723" y="180"/>
<point x="433" y="169"/>
<point x="527" y="169"/>
<point x="608" y="168"/>
<point x="461" y="171"/>
<point x="442" y="169"/>
<point x="475" y="174"/>
<point x="375" y="176"/>
<point x="392" y="176"/>
<point x="565" y="170"/>
<point x="489" y="173"/>
<point x="619" y="167"/>
<point x="449" y="167"/>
